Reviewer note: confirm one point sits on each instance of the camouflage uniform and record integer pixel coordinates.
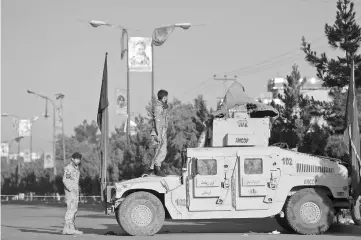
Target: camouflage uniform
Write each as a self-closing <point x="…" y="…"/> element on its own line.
<point x="71" y="183"/>
<point x="160" y="130"/>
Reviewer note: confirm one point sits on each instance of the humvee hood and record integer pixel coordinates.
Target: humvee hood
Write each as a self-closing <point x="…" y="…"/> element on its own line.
<point x="160" y="184"/>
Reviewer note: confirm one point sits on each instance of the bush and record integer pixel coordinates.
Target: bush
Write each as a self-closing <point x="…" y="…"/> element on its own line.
<point x="315" y="141"/>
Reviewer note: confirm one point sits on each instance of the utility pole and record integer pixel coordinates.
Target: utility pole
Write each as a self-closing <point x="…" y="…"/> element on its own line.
<point x="60" y="96"/>
<point x="224" y="78"/>
<point x="31" y="141"/>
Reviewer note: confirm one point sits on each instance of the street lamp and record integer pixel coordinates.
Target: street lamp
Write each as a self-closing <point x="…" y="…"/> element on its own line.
<point x="17" y="119"/>
<point x="18" y="138"/>
<point x="165" y="31"/>
<point x="32" y="120"/>
<point x="54" y="136"/>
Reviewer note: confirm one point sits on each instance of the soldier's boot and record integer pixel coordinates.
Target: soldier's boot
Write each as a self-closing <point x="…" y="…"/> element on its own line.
<point x="159" y="172"/>
<point x="68" y="229"/>
<point x="149" y="171"/>
<point x="74" y="230"/>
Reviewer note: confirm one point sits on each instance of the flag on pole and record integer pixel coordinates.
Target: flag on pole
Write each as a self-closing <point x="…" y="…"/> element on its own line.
<point x="123" y="48"/>
<point x="102" y="120"/>
<point x="160" y="35"/>
<point x="103" y="101"/>
<point x="352" y="133"/>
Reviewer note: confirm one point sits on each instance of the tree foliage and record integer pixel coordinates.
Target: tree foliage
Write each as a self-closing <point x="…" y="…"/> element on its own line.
<point x="294" y="119"/>
<point x="343" y="35"/>
<point x="186" y="122"/>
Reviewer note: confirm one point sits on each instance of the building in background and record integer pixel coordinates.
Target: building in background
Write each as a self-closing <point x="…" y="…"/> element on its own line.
<point x="312" y="88"/>
<point x="36" y="155"/>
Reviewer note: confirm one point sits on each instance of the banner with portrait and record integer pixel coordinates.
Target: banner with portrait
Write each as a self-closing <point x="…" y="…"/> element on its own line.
<point x="48" y="160"/>
<point x="58" y="117"/>
<point x="16" y="124"/>
<point x="24" y="128"/>
<point x="121" y="101"/>
<point x="5" y="150"/>
<point x="140" y="54"/>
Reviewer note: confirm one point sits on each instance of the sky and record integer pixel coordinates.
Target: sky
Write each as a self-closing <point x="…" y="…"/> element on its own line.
<point x="47" y="47"/>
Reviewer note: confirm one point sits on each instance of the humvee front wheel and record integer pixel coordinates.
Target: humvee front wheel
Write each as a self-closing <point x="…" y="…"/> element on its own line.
<point x="309" y="212"/>
<point x="356" y="211"/>
<point x="141" y="214"/>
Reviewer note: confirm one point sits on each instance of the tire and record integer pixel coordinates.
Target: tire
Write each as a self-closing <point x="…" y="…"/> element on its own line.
<point x="320" y="211"/>
<point x="356" y="211"/>
<point x="141" y="214"/>
<point x="117" y="214"/>
<point x="283" y="223"/>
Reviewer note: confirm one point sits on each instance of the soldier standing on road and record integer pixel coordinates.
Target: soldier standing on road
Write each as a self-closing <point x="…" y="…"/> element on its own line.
<point x="71" y="183"/>
<point x="159" y="133"/>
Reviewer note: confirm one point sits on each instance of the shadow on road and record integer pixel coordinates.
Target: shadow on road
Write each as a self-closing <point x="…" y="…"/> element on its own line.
<point x="37" y="230"/>
<point x="205" y="226"/>
<point x="38" y="204"/>
<point x="254" y="227"/>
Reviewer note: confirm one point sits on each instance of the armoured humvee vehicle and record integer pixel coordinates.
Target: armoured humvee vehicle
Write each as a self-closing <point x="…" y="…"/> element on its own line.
<point x="238" y="175"/>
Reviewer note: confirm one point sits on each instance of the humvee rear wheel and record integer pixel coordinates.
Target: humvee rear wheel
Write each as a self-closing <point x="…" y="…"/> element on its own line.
<point x="141" y="214"/>
<point x="356" y="211"/>
<point x="309" y="212"/>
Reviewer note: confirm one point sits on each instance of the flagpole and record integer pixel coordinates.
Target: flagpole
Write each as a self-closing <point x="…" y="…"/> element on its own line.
<point x="152" y="93"/>
<point x="128" y="92"/>
<point x="355" y="139"/>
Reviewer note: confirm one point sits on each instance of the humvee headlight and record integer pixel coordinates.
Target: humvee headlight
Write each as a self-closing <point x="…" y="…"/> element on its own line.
<point x="121" y="186"/>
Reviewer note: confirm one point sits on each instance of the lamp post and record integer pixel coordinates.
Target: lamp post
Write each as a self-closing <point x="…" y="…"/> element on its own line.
<point x="18" y="138"/>
<point x="54" y="136"/>
<point x="31" y="136"/>
<point x="184" y="26"/>
<point x="95" y="24"/>
<point x="17" y="119"/>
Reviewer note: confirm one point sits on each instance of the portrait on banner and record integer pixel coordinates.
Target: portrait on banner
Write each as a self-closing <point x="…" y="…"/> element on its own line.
<point x="59" y="118"/>
<point x="4" y="150"/>
<point x="48" y="160"/>
<point x="24" y="128"/>
<point x="140" y="54"/>
<point x="121" y="102"/>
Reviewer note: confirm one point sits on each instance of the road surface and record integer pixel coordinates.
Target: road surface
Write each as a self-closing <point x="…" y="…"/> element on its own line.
<point x="46" y="222"/>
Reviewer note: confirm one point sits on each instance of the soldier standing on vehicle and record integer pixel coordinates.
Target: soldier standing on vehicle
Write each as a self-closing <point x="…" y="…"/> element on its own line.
<point x="71" y="183"/>
<point x="159" y="133"/>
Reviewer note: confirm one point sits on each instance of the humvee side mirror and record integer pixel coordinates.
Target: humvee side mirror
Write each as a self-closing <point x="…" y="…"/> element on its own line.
<point x="194" y="166"/>
<point x="184" y="158"/>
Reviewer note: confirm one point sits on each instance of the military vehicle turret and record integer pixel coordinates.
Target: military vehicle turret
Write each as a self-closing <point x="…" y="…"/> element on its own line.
<point x="234" y="173"/>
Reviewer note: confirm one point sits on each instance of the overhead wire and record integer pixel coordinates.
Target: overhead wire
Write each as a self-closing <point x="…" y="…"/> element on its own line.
<point x="247" y="70"/>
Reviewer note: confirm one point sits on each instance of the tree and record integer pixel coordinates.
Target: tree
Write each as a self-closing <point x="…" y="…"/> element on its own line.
<point x="87" y="132"/>
<point x="344" y="35"/>
<point x="291" y="124"/>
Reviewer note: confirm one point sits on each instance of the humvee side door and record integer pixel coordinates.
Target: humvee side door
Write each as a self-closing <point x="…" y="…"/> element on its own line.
<point x="205" y="185"/>
<point x="255" y="177"/>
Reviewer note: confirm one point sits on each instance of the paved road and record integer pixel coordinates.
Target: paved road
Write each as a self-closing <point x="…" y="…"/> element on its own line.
<point x="45" y="222"/>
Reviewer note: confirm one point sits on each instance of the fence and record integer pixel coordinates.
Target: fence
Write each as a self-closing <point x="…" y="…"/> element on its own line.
<point x="54" y="198"/>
